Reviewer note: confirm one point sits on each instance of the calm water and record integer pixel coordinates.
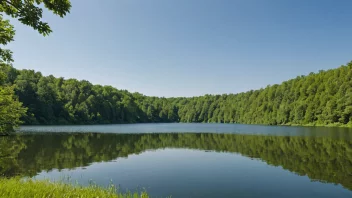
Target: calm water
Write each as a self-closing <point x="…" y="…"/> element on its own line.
<point x="188" y="160"/>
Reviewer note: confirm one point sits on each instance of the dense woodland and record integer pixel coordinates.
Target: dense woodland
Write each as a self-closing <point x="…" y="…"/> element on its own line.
<point x="323" y="98"/>
<point x="323" y="159"/>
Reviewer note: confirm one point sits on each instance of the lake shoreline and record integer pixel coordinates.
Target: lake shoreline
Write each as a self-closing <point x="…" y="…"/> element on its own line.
<point x="287" y="125"/>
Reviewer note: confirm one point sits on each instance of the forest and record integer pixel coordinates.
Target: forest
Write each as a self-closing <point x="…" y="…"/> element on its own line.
<point x="323" y="98"/>
<point x="323" y="159"/>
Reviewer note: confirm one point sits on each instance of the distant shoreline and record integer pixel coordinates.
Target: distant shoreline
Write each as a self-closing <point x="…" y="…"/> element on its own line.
<point x="288" y="125"/>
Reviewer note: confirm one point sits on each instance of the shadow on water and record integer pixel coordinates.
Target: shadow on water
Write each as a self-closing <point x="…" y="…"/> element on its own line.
<point x="323" y="159"/>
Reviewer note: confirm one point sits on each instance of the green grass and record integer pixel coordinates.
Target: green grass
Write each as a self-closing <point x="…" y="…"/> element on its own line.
<point x="19" y="188"/>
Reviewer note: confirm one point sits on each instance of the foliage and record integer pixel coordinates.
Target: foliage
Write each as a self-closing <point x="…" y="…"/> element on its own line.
<point x="28" y="12"/>
<point x="323" y="98"/>
<point x="10" y="108"/>
<point x="7" y="33"/>
<point x="321" y="158"/>
<point x="16" y="188"/>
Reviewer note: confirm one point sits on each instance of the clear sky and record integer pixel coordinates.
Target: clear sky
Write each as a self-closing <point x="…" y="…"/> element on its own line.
<point x="189" y="47"/>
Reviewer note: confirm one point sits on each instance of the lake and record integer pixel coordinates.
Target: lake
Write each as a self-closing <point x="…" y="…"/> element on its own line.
<point x="187" y="160"/>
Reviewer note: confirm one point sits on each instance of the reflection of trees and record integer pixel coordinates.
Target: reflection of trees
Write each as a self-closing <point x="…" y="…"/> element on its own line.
<point x="10" y="147"/>
<point x="323" y="159"/>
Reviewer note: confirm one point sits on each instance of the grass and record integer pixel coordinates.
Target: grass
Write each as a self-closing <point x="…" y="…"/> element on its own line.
<point x="20" y="188"/>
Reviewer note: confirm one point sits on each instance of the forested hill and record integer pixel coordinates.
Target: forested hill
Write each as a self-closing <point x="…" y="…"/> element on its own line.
<point x="323" y="98"/>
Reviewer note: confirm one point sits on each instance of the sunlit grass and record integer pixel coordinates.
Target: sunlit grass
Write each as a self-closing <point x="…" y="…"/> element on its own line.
<point x="19" y="188"/>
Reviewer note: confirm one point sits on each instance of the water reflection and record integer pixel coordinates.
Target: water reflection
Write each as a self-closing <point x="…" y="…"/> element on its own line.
<point x="322" y="159"/>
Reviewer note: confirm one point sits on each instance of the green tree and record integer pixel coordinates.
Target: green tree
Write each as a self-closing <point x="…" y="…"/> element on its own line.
<point x="10" y="108"/>
<point x="28" y="12"/>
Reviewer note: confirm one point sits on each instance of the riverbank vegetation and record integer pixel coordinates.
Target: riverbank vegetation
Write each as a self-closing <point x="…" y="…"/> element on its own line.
<point x="323" y="98"/>
<point x="19" y="188"/>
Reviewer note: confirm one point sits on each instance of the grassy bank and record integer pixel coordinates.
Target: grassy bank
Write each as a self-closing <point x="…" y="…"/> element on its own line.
<point x="17" y="188"/>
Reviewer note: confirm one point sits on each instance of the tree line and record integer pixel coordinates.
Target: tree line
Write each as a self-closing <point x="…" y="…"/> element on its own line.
<point x="320" y="158"/>
<point x="323" y="98"/>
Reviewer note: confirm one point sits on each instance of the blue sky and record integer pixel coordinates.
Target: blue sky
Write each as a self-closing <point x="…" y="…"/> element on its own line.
<point x="189" y="47"/>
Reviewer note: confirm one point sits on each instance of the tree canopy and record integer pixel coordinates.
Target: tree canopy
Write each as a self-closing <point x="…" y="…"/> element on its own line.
<point x="323" y="98"/>
<point x="28" y="12"/>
